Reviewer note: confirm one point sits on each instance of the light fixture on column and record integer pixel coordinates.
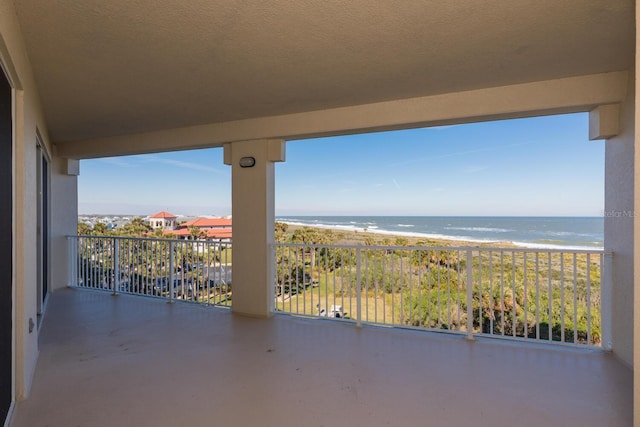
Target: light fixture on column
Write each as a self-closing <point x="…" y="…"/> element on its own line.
<point x="247" y="162"/>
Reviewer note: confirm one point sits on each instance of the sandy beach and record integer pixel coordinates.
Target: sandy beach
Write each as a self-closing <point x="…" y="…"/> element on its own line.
<point x="355" y="237"/>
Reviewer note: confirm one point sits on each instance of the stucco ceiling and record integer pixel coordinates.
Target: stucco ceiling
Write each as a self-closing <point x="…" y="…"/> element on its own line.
<point x="112" y="67"/>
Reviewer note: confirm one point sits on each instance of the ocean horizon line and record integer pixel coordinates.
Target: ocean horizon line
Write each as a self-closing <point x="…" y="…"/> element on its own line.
<point x="440" y="216"/>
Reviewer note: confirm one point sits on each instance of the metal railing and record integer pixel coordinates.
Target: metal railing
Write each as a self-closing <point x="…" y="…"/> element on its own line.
<point x="552" y="296"/>
<point x="186" y="270"/>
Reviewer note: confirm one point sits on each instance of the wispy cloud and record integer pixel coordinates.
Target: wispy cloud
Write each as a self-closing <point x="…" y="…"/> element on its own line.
<point x="185" y="165"/>
<point x="115" y="161"/>
<point x="429" y="158"/>
<point x="458" y="153"/>
<point x="475" y="169"/>
<point x="396" y="184"/>
<point x="443" y="127"/>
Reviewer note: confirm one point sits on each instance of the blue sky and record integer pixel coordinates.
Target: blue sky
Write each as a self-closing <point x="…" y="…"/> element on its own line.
<point x="536" y="166"/>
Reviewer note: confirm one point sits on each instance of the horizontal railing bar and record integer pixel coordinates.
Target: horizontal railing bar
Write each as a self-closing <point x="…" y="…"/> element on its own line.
<point x="538" y="341"/>
<point x="367" y="247"/>
<point x="443" y="248"/>
<point x="153" y="239"/>
<point x="156" y="297"/>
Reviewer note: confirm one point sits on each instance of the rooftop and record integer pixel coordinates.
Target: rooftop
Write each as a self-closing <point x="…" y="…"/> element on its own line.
<point x="163" y="214"/>
<point x="208" y="222"/>
<point x="215" y="233"/>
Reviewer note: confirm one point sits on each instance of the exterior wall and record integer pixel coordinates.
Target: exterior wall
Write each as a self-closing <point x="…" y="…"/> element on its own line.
<point x="28" y="119"/>
<point x="26" y="250"/>
<point x="619" y="226"/>
<point x="165" y="224"/>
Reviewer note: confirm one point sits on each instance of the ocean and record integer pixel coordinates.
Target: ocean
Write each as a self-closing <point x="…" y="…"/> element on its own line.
<point x="532" y="232"/>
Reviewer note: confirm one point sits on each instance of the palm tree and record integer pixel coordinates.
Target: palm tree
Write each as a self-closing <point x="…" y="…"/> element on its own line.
<point x="309" y="236"/>
<point x="196" y="233"/>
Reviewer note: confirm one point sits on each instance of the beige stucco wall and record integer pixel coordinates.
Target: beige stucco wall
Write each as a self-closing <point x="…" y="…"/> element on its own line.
<point x="25" y="261"/>
<point x="28" y="120"/>
<point x="619" y="224"/>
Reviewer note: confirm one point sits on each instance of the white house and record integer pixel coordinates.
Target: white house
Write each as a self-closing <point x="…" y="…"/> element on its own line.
<point x="163" y="220"/>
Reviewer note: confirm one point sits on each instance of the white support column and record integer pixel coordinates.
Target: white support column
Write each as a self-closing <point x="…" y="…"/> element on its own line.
<point x="252" y="187"/>
<point x="63" y="217"/>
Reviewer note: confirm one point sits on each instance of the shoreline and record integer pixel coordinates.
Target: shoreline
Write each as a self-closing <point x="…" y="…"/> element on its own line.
<point x="354" y="235"/>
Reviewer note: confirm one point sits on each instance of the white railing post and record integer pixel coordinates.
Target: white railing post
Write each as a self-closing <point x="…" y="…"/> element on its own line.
<point x="273" y="276"/>
<point x="171" y="275"/>
<point x="358" y="288"/>
<point x="71" y="257"/>
<point x="116" y="266"/>
<point x="75" y="260"/>
<point x="606" y="281"/>
<point x="469" y="294"/>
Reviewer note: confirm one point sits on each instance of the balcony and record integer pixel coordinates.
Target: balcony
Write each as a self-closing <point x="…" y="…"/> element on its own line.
<point x="146" y="362"/>
<point x="128" y="360"/>
<point x="135" y="359"/>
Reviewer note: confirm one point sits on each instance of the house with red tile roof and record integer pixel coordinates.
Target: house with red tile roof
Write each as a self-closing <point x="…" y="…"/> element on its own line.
<point x="210" y="229"/>
<point x="222" y="234"/>
<point x="208" y="223"/>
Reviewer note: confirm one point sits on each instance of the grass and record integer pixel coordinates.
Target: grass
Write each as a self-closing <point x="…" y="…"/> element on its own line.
<point x="375" y="308"/>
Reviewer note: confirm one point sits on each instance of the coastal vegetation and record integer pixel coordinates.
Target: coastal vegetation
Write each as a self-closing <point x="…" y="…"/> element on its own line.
<point x="404" y="281"/>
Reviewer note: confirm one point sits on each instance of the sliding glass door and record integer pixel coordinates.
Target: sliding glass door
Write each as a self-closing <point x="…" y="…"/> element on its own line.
<point x="6" y="248"/>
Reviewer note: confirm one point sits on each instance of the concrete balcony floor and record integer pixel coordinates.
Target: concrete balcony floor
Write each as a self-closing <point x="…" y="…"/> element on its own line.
<point x="130" y="361"/>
